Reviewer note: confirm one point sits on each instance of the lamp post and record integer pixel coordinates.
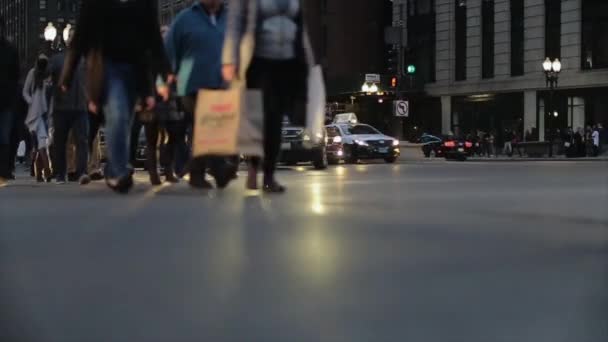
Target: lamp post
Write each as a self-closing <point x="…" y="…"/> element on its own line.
<point x="66" y="33"/>
<point x="552" y="70"/>
<point x="50" y="34"/>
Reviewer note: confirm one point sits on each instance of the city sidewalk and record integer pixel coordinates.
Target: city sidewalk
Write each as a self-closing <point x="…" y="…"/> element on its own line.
<point x="603" y="158"/>
<point x="412" y="151"/>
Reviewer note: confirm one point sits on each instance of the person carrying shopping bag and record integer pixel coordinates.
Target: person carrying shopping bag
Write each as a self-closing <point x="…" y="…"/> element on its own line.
<point x="267" y="45"/>
<point x="194" y="48"/>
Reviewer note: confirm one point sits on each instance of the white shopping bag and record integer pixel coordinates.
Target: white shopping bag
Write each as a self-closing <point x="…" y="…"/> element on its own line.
<point x="315" y="106"/>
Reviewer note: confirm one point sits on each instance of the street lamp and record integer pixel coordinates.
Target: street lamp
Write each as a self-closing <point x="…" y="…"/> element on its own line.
<point x="366" y="88"/>
<point x="66" y="33"/>
<point x="50" y="33"/>
<point x="552" y="70"/>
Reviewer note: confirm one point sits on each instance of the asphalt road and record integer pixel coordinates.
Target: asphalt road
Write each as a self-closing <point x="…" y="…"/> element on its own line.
<point x="420" y="251"/>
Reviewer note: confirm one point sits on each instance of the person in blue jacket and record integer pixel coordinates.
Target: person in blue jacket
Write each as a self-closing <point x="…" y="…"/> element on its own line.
<point x="194" y="47"/>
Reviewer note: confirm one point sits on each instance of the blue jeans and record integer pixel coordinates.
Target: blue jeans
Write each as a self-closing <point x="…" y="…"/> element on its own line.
<point x="118" y="107"/>
<point x="78" y="121"/>
<point x="6" y="126"/>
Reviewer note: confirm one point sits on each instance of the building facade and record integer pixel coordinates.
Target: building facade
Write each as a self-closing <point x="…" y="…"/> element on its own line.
<point x="25" y="21"/>
<point x="488" y="56"/>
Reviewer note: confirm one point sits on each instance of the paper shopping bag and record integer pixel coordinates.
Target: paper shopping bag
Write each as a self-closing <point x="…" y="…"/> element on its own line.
<point x="315" y="106"/>
<point x="251" y="129"/>
<point x="216" y="122"/>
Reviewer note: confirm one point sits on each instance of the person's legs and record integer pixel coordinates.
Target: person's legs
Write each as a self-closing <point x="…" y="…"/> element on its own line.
<point x="62" y="120"/>
<point x="6" y="124"/>
<point x="134" y="139"/>
<point x="80" y="131"/>
<point x="197" y="166"/>
<point x="71" y="155"/>
<point x="176" y="136"/>
<point x="151" y="129"/>
<point x="118" y="109"/>
<point x="43" y="150"/>
<point x="13" y="145"/>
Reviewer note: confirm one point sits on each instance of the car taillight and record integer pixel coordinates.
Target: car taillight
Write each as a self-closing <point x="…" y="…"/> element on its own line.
<point x="449" y="144"/>
<point x="468" y="144"/>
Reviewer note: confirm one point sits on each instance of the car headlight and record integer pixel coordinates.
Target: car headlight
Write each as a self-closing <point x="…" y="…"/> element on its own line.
<point x="306" y="137"/>
<point x="338" y="139"/>
<point x="320" y="136"/>
<point x="395" y="142"/>
<point x="361" y="143"/>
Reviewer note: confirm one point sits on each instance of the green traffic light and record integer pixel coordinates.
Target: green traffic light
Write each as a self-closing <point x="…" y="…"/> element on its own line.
<point x="411" y="69"/>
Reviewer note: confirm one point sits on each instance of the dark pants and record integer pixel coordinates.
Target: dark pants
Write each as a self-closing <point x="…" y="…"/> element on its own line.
<point x="95" y="121"/>
<point x="151" y="132"/>
<point x="6" y="125"/>
<point x="283" y="84"/>
<point x="176" y="142"/>
<point x="78" y="122"/>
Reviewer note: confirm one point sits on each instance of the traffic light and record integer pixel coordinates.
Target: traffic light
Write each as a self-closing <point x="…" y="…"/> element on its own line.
<point x="392" y="60"/>
<point x="394" y="82"/>
<point x="411" y="69"/>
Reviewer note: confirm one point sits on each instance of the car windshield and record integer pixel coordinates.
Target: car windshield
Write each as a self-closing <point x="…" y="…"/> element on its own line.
<point x="333" y="132"/>
<point x="359" y="129"/>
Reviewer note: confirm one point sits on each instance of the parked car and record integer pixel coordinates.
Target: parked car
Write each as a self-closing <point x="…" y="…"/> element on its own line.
<point x="457" y="149"/>
<point x="431" y="145"/>
<point x="299" y="146"/>
<point x="353" y="142"/>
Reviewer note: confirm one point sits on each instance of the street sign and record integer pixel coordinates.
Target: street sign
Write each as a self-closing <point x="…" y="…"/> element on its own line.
<point x="402" y="108"/>
<point x="372" y="78"/>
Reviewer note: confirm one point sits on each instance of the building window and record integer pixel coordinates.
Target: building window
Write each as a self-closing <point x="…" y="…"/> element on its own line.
<point x="487" y="39"/>
<point x="60" y="5"/>
<point x="517" y="37"/>
<point x="400" y="11"/>
<point x="553" y="28"/>
<point x="461" y="40"/>
<point x="595" y="34"/>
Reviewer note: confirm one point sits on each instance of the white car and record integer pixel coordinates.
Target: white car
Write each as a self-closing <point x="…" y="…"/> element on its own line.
<point x="353" y="142"/>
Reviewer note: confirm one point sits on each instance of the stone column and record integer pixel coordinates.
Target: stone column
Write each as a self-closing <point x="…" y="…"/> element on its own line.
<point x="446" y="114"/>
<point x="530" y="103"/>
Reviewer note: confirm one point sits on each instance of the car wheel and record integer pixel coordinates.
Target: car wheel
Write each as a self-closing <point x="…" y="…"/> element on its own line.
<point x="390" y="160"/>
<point x="320" y="162"/>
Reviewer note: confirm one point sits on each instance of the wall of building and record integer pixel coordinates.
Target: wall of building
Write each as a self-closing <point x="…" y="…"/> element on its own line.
<point x="581" y="88"/>
<point x="348" y="37"/>
<point x="571" y="77"/>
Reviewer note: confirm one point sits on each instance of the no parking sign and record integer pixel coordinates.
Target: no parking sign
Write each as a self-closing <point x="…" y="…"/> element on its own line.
<point x="402" y="108"/>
